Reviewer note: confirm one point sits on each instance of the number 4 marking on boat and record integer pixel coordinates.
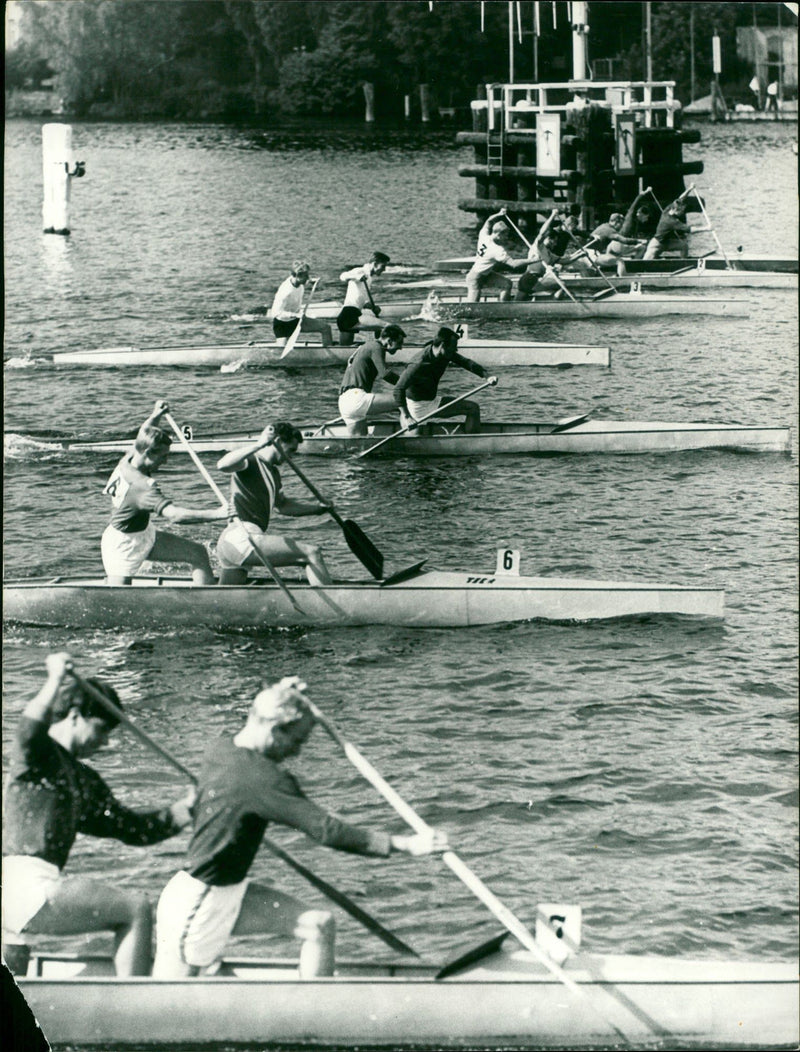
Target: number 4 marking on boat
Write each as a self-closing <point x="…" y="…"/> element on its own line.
<point x="507" y="562"/>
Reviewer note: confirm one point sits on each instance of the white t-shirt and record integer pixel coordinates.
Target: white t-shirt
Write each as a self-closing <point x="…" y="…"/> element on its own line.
<point x="288" y="301"/>
<point x="357" y="283"/>
<point x="488" y="255"/>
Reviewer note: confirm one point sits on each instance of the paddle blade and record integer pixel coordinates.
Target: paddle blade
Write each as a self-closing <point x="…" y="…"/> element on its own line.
<point x="363" y="548"/>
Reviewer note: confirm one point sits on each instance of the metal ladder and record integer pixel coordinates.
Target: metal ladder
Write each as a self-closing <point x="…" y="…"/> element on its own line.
<point x="494" y="149"/>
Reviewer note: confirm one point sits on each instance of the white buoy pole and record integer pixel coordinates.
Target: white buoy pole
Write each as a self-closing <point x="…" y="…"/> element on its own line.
<point x="58" y="170"/>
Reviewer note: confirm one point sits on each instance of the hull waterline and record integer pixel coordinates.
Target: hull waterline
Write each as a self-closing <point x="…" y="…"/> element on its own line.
<point x="507" y="1000"/>
<point x="666" y="264"/>
<point x="313" y="355"/>
<point x="435" y="599"/>
<point x="620" y="305"/>
<point x="448" y="440"/>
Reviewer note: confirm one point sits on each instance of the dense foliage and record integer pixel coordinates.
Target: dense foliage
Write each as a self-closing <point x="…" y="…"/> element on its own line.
<point x="254" y="58"/>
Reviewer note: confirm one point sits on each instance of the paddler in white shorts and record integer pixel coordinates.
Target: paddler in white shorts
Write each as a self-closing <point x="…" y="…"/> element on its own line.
<point x="131" y="539"/>
<point x="416" y="392"/>
<point x="491" y="258"/>
<point x="256" y="489"/>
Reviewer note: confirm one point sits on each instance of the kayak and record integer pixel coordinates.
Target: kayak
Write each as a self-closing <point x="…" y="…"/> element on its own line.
<point x="667" y="264"/>
<point x="310" y="353"/>
<point x="619" y="305"/>
<point x="443" y="438"/>
<point x="413" y="598"/>
<point x="494" y="996"/>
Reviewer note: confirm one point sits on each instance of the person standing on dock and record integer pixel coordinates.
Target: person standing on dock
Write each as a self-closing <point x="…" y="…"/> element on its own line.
<point x="255" y="490"/>
<point x="131" y="539"/>
<point x="50" y="797"/>
<point x="287" y="304"/>
<point x="358" y="296"/>
<point x="242" y="788"/>
<point x="491" y="259"/>
<point x="672" y="232"/>
<point x="416" y="392"/>
<point x="366" y="365"/>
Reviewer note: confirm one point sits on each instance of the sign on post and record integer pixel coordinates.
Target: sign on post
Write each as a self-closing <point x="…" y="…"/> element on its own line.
<point x="548" y="144"/>
<point x="625" y="151"/>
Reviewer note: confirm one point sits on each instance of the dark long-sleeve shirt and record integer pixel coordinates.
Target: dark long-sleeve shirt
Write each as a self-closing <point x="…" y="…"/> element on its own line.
<point x="670" y="226"/>
<point x="240" y="793"/>
<point x="51" y="797"/>
<point x="419" y="381"/>
<point x="365" y="366"/>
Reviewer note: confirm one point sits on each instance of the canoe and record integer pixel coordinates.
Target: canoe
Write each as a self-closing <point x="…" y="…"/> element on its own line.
<point x="689" y="279"/>
<point x="496" y="997"/>
<point x="750" y="264"/>
<point x="620" y="305"/>
<point x="446" y="439"/>
<point x="310" y="353"/>
<point x="412" y="598"/>
<point x="548" y="438"/>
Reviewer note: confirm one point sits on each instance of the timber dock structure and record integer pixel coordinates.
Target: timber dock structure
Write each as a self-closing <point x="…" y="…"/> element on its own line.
<point x="587" y="144"/>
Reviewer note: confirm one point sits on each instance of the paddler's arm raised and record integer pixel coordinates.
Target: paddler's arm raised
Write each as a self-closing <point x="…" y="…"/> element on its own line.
<point x="40" y="707"/>
<point x="237" y="458"/>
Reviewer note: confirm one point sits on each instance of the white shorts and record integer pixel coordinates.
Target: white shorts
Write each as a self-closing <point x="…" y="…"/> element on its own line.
<point x="194" y="920"/>
<point x="420" y="409"/>
<point x="357" y="404"/>
<point x="233" y="547"/>
<point x="124" y="553"/>
<point x="28" y="883"/>
<point x="484" y="281"/>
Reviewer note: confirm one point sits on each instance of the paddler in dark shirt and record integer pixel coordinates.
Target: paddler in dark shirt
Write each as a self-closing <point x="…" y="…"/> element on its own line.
<point x="416" y="392"/>
<point x="672" y="232"/>
<point x="357" y="401"/>
<point x="50" y="797"/>
<point x="241" y="789"/>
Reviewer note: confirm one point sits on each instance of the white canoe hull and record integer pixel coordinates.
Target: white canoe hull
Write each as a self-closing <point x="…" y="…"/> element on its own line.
<point x="449" y="440"/>
<point x="619" y="305"/>
<point x="507" y="1000"/>
<point x="436" y="599"/>
<point x="690" y="279"/>
<point x="747" y="264"/>
<point x="591" y="436"/>
<point x="311" y="354"/>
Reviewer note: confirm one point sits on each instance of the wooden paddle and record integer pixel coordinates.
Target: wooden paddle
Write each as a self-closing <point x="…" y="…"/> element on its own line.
<point x="221" y="498"/>
<point x="691" y="266"/>
<point x="357" y="541"/>
<point x="461" y="870"/>
<point x="327" y="889"/>
<point x="375" y="310"/>
<point x="422" y="419"/>
<point x="293" y="338"/>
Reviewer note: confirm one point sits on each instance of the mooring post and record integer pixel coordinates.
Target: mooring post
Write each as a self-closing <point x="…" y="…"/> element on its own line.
<point x="369" y="99"/>
<point x="424" y="101"/>
<point x="58" y="170"/>
<point x="407" y="106"/>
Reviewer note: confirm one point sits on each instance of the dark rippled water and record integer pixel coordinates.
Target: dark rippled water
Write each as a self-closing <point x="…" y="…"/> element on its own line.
<point x="646" y="769"/>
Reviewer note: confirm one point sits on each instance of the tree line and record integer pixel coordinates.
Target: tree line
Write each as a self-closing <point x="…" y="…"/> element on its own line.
<point x="253" y="59"/>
